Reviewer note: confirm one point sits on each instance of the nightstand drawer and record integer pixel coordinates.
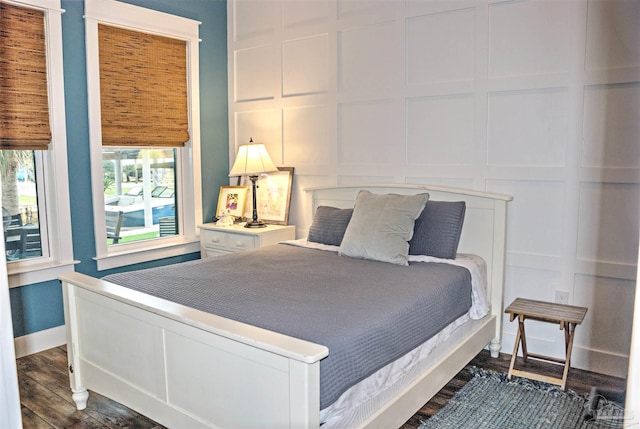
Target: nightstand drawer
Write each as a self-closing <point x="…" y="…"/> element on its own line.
<point x="214" y="239"/>
<point x="237" y="242"/>
<point x="208" y="252"/>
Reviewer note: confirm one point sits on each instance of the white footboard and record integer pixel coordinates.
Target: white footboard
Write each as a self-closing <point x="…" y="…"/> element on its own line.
<point x="183" y="367"/>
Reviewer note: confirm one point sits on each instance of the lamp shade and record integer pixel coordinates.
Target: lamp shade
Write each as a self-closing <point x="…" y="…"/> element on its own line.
<point x="252" y="159"/>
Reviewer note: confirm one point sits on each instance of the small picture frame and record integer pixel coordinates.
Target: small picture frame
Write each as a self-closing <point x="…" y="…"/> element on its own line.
<point x="232" y="199"/>
<point x="273" y="196"/>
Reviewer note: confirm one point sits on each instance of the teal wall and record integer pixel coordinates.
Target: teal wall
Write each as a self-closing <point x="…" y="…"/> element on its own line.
<point x="38" y="306"/>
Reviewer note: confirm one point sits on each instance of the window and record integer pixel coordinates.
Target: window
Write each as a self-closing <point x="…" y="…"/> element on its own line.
<point x="145" y="171"/>
<point x="35" y="198"/>
<point x="20" y="213"/>
<point x="140" y="193"/>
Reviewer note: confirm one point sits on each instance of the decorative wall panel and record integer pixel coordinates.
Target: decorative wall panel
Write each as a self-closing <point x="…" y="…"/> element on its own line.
<point x="299" y="14"/>
<point x="440" y="130"/>
<point x="351" y="8"/>
<point x="366" y="57"/>
<point x="458" y="182"/>
<point x="608" y="212"/>
<point x="612" y="125"/>
<point x="440" y="47"/>
<point x="305" y="136"/>
<point x="528" y="128"/>
<point x="532" y="283"/>
<point x="305" y="66"/>
<point x="350" y="180"/>
<point x="535" y="217"/>
<point x="254" y="73"/>
<point x="613" y="34"/>
<point x="528" y="37"/>
<point x="601" y="295"/>
<point x="253" y="18"/>
<point x="263" y="127"/>
<point x="367" y="134"/>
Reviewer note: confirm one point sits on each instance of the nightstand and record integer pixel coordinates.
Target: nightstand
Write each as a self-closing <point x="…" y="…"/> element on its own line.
<point x="221" y="240"/>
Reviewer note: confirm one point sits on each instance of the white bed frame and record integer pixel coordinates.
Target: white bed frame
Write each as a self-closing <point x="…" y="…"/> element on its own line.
<point x="185" y="368"/>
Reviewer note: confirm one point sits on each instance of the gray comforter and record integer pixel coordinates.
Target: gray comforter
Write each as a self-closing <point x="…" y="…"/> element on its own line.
<point x="367" y="313"/>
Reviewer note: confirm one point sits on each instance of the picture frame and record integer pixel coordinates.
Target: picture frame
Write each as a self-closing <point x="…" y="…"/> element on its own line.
<point x="233" y="200"/>
<point x="273" y="196"/>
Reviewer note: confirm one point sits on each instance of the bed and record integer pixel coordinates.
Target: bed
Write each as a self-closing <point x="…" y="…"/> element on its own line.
<point x="183" y="366"/>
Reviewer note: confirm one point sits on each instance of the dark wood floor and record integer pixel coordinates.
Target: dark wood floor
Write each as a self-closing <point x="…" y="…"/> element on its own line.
<point x="46" y="398"/>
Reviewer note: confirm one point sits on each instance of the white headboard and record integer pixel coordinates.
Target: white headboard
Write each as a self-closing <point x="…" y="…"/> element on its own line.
<point x="483" y="231"/>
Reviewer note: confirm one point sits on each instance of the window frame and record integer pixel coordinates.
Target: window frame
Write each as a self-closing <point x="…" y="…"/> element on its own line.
<point x="188" y="170"/>
<point x="52" y="175"/>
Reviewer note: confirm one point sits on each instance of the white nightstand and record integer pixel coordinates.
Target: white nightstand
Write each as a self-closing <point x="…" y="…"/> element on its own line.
<point x="219" y="240"/>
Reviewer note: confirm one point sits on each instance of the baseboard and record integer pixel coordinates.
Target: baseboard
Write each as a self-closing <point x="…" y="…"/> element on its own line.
<point x="600" y="361"/>
<point x="41" y="340"/>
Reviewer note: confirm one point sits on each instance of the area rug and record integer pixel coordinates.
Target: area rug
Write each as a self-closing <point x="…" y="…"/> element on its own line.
<point x="491" y="401"/>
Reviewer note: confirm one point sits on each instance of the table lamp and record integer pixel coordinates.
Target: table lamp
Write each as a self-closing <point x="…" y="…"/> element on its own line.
<point x="252" y="160"/>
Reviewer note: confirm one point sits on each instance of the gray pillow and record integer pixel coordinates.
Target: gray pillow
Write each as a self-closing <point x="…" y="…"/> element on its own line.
<point x="329" y="225"/>
<point x="381" y="226"/>
<point x="438" y="229"/>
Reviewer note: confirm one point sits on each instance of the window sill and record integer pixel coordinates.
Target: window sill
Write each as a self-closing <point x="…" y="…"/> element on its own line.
<point x="25" y="274"/>
<point x="129" y="255"/>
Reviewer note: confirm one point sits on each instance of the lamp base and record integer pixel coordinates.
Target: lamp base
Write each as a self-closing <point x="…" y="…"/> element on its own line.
<point x="255" y="223"/>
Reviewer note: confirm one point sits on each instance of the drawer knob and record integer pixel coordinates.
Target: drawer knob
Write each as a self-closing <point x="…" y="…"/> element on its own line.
<point x="214" y="240"/>
<point x="240" y="244"/>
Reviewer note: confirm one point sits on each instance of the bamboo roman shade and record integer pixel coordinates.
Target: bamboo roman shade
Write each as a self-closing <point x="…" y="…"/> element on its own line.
<point x="143" y="89"/>
<point x="24" y="100"/>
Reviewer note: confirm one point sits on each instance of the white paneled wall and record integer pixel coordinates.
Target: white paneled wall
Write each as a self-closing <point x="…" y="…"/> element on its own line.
<point x="537" y="99"/>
